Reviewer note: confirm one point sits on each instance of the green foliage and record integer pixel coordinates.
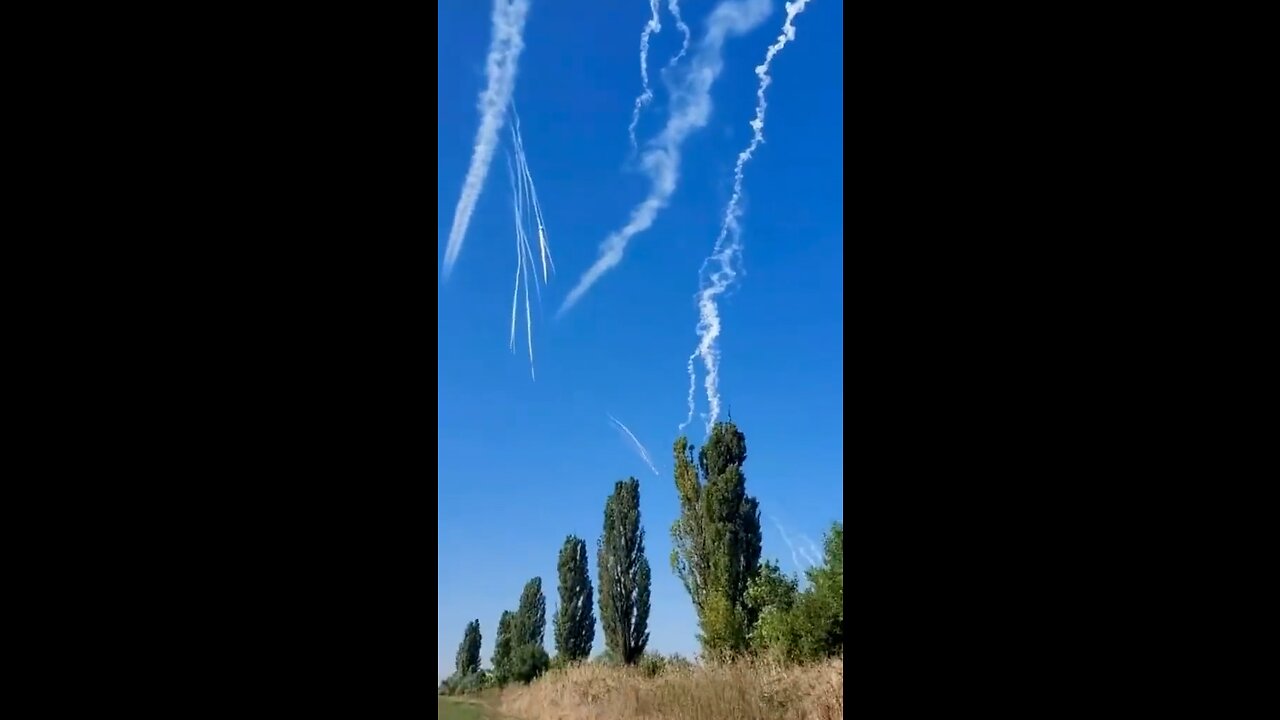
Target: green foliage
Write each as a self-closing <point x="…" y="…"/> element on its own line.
<point x="716" y="539"/>
<point x="528" y="662"/>
<point x="655" y="664"/>
<point x="468" y="661"/>
<point x="801" y="626"/>
<point x="531" y="616"/>
<point x="624" y="574"/>
<point x="458" y="684"/>
<point x="503" y="645"/>
<point x="574" y="622"/>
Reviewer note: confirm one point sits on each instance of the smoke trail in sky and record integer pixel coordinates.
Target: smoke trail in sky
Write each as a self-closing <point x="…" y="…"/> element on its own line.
<point x="650" y="28"/>
<point x="644" y="454"/>
<point x="690" y="108"/>
<point x="795" y="558"/>
<point x="505" y="46"/>
<point x="674" y="7"/>
<point x="728" y="244"/>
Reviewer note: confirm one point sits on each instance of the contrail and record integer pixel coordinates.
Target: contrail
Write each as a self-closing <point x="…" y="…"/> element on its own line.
<point x="500" y="69"/>
<point x="651" y="27"/>
<point x="795" y="559"/>
<point x="724" y="252"/>
<point x="525" y="206"/>
<point x="690" y="110"/>
<point x="674" y="7"/>
<point x="644" y="454"/>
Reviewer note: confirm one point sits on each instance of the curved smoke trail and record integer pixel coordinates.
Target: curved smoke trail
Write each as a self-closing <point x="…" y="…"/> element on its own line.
<point x="728" y="243"/>
<point x="690" y="110"/>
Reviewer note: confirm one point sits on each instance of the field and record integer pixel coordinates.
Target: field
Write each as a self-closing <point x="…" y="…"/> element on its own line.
<point x="464" y="709"/>
<point x="740" y="691"/>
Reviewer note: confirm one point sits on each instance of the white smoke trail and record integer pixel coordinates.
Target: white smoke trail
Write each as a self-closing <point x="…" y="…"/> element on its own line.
<point x="674" y="7"/>
<point x="500" y="70"/>
<point x="515" y="293"/>
<point x="813" y="552"/>
<point x="795" y="558"/>
<point x="724" y="252"/>
<point x="544" y="247"/>
<point x="690" y="110"/>
<point x="644" y="454"/>
<point x="522" y="252"/>
<point x="650" y="28"/>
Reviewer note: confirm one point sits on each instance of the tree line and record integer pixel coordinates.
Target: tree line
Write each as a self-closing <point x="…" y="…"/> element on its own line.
<point x="743" y="605"/>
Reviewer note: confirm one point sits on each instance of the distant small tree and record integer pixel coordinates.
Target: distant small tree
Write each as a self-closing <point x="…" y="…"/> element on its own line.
<point x="468" y="661"/>
<point x="574" y="623"/>
<point x="624" y="574"/>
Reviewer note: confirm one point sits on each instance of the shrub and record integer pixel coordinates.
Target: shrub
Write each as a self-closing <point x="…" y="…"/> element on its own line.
<point x="528" y="662"/>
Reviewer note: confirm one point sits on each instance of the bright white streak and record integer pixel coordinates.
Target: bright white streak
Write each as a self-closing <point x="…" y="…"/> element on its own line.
<point x="644" y="454"/>
<point x="724" y="253"/>
<point x="515" y="292"/>
<point x="690" y="110"/>
<point x="543" y="247"/>
<point x="505" y="45"/>
<point x="651" y="27"/>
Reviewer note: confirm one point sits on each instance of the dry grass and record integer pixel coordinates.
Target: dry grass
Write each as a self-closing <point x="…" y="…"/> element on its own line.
<point x="748" y="690"/>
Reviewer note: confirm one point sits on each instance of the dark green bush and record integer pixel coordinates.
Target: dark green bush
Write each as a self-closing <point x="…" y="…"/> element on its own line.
<point x="528" y="662"/>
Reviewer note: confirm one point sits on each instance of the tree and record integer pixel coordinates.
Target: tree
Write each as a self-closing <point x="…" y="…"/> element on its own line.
<point x="807" y="625"/>
<point x="574" y="623"/>
<point x="528" y="662"/>
<point x="469" y="650"/>
<point x="502" y="645"/>
<point x="624" y="574"/>
<point x="531" y="615"/>
<point x="716" y="538"/>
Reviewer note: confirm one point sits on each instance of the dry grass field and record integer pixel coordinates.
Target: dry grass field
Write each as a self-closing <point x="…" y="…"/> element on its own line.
<point x="747" y="690"/>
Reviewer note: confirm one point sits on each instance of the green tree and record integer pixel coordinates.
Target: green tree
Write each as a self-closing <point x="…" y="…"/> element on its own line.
<point x="716" y="539"/>
<point x="502" y="646"/>
<point x="531" y="615"/>
<point x="624" y="574"/>
<point x="469" y="650"/>
<point x="574" y="622"/>
<point x="807" y="625"/>
<point x="528" y="662"/>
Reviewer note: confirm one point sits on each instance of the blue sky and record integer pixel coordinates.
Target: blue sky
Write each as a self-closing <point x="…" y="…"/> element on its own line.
<point x="523" y="463"/>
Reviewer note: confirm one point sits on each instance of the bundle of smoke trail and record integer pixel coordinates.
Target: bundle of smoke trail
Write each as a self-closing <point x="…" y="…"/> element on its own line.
<point x="522" y="271"/>
<point x="500" y="70"/>
<point x="811" y="551"/>
<point x="644" y="454"/>
<point x="674" y="7"/>
<point x="728" y="243"/>
<point x="544" y="247"/>
<point x="795" y="558"/>
<point x="690" y="108"/>
<point x="650" y="28"/>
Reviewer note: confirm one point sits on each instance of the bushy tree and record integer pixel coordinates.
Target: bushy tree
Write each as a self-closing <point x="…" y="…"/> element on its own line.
<point x="624" y="574"/>
<point x="468" y="661"/>
<point x="528" y="662"/>
<point x="716" y="539"/>
<point x="803" y="625"/>
<point x="575" y="622"/>
<point x="531" y="615"/>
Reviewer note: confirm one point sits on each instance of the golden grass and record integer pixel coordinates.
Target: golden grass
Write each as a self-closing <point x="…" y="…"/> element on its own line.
<point x="746" y="690"/>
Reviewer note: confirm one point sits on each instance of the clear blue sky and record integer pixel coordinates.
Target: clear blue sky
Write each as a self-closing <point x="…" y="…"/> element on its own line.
<point x="523" y="463"/>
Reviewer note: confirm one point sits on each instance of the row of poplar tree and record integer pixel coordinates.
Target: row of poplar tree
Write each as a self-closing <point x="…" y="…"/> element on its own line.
<point x="743" y="605"/>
